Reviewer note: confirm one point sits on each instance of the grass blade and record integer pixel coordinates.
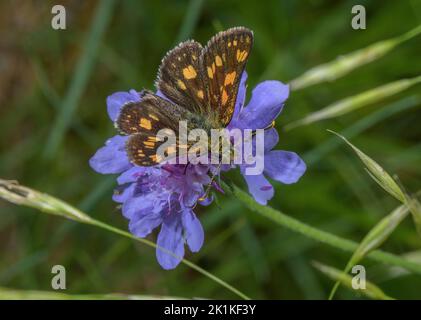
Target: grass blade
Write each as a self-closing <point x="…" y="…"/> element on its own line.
<point x="81" y="76"/>
<point x="190" y="20"/>
<point x="332" y="240"/>
<point x="377" y="172"/>
<point x="374" y="239"/>
<point x="317" y="153"/>
<point x="355" y="102"/>
<point x="349" y="62"/>
<point x="371" y="290"/>
<point x="20" y="195"/>
<point x="415" y="208"/>
<point x="14" y="193"/>
<point x="14" y="294"/>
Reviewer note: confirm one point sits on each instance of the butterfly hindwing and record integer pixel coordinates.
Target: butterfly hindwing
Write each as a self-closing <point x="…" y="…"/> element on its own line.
<point x="224" y="59"/>
<point x="180" y="76"/>
<point x="142" y="120"/>
<point x="142" y="148"/>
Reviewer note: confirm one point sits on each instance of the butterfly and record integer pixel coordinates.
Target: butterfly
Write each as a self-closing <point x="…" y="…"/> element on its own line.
<point x="199" y="86"/>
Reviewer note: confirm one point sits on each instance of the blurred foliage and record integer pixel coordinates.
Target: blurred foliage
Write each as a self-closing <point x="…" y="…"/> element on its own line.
<point x="39" y="67"/>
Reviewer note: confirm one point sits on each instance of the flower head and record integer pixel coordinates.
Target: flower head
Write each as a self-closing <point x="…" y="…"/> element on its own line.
<point x="165" y="195"/>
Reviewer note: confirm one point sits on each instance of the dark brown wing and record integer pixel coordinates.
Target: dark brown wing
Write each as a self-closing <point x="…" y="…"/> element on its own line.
<point x="180" y="76"/>
<point x="142" y="149"/>
<point x="224" y="59"/>
<point x="149" y="115"/>
<point x="143" y="120"/>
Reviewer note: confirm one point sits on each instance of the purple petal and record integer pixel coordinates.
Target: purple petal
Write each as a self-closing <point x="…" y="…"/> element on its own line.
<point x="284" y="166"/>
<point x="159" y="93"/>
<point x="207" y="201"/>
<point x="112" y="158"/>
<point x="119" y="99"/>
<point x="271" y="139"/>
<point x="145" y="224"/>
<point x="265" y="105"/>
<point x="259" y="187"/>
<point x="123" y="193"/>
<point x="131" y="175"/>
<point x="241" y="97"/>
<point x="170" y="238"/>
<point x="137" y="206"/>
<point x="193" y="230"/>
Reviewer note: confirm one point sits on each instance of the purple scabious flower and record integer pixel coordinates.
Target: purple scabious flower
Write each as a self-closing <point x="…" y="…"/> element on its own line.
<point x="166" y="195"/>
<point x="155" y="196"/>
<point x="265" y="105"/>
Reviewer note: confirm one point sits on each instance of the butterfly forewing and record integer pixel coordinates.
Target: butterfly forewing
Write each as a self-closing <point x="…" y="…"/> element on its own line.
<point x="180" y="77"/>
<point x="224" y="59"/>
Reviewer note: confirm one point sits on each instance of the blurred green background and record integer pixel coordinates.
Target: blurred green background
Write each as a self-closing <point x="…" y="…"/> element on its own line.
<point x="43" y="71"/>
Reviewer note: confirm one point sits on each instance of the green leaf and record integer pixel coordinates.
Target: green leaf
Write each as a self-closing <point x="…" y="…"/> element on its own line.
<point x="349" y="62"/>
<point x="377" y="172"/>
<point x="371" y="290"/>
<point x="355" y="102"/>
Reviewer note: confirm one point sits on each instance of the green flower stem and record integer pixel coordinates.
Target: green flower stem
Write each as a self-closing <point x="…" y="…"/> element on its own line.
<point x="317" y="234"/>
<point x="20" y="195"/>
<point x="185" y="261"/>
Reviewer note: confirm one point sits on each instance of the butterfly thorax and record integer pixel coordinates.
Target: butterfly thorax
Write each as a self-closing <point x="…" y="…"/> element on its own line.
<point x="205" y="122"/>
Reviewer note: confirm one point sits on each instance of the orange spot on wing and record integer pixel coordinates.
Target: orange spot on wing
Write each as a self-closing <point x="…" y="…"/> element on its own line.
<point x="241" y="55"/>
<point x="181" y="85"/>
<point x="146" y="124"/>
<point x="210" y="73"/>
<point x="224" y="97"/>
<point x="218" y="61"/>
<point x="155" y="158"/>
<point x="189" y="72"/>
<point x="229" y="78"/>
<point x="149" y="143"/>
